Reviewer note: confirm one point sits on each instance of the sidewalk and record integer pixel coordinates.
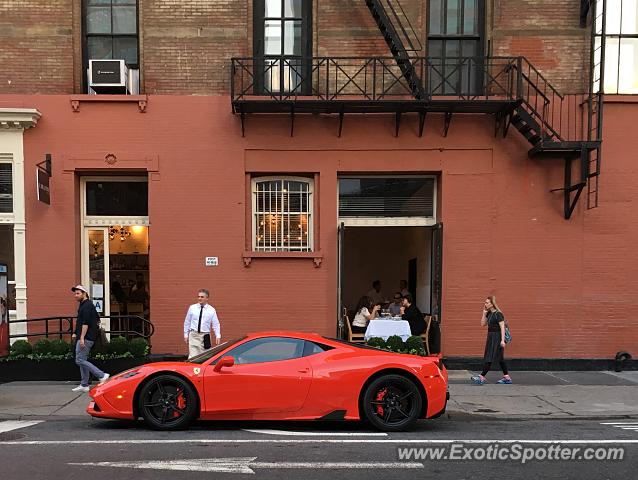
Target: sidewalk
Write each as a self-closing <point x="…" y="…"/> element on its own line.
<point x="533" y="395"/>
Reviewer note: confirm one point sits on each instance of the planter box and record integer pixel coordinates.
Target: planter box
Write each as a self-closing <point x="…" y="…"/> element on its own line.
<point x="59" y="370"/>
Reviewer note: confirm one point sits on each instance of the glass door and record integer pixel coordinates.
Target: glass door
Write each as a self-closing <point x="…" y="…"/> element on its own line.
<point x="95" y="270"/>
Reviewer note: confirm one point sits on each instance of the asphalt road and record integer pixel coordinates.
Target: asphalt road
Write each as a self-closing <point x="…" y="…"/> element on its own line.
<point x="81" y="448"/>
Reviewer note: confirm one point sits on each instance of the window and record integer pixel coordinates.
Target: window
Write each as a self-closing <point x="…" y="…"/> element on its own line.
<point x="386" y="197"/>
<point x="282" y="33"/>
<point x="619" y="33"/>
<point x="312" y="348"/>
<point x="267" y="350"/>
<point x="7" y="257"/>
<point x="282" y="214"/>
<point x="455" y="29"/>
<point x="6" y="188"/>
<point x="117" y="198"/>
<point x="111" y="31"/>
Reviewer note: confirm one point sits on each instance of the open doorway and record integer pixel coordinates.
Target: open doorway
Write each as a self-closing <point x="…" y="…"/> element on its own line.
<point x="390" y="255"/>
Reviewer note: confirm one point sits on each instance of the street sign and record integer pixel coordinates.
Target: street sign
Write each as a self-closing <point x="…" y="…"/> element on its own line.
<point x="212" y="261"/>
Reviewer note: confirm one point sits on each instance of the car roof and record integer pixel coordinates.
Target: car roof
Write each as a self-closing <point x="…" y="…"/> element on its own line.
<point x="286" y="333"/>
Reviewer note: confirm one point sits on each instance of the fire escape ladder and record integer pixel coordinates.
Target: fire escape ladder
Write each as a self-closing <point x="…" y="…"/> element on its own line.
<point x="390" y="32"/>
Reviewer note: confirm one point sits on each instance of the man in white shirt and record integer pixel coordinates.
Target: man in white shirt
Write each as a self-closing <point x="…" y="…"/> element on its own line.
<point x="200" y="320"/>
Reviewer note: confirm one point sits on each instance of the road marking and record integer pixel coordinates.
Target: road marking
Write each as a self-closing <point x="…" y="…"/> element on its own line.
<point x="620" y="423"/>
<point x="9" y="425"/>
<point x="244" y="465"/>
<point x="633" y="426"/>
<point x="314" y="440"/>
<point x="318" y="434"/>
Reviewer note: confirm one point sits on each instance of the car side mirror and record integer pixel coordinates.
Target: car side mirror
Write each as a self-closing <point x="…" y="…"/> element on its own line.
<point x="224" y="362"/>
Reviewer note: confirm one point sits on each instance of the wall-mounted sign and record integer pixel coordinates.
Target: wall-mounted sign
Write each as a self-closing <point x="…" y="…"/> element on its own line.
<point x="212" y="261"/>
<point x="42" y="175"/>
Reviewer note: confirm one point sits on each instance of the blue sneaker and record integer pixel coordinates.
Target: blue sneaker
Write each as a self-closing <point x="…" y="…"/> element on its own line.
<point x="478" y="379"/>
<point x="505" y="380"/>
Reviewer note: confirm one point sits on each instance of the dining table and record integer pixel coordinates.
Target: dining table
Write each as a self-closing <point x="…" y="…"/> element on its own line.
<point x="387" y="327"/>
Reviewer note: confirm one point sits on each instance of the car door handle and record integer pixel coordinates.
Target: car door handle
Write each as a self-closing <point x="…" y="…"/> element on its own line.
<point x="303" y="370"/>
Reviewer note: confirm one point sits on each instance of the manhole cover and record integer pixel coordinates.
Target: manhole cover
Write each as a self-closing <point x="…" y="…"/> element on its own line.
<point x="10" y="436"/>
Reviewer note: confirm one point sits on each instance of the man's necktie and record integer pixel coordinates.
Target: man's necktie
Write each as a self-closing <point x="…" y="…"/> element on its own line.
<point x="199" y="324"/>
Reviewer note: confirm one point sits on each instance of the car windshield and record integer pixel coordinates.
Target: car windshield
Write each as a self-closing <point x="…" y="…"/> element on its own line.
<point x="202" y="357"/>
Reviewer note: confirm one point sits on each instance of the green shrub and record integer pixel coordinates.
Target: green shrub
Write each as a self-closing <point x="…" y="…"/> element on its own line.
<point x="376" y="342"/>
<point x="395" y="343"/>
<point x="138" y="347"/>
<point x="118" y="345"/>
<point x="59" y="347"/>
<point x="415" y="343"/>
<point x="21" y="347"/>
<point x="42" y="347"/>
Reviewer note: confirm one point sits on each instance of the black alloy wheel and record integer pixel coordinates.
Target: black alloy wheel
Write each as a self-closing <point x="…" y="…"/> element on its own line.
<point x="168" y="402"/>
<point x="392" y="403"/>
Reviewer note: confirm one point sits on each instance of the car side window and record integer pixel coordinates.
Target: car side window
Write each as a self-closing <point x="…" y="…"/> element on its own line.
<point x="312" y="348"/>
<point x="267" y="350"/>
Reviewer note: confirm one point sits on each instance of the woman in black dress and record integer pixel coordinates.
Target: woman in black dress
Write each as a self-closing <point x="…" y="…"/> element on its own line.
<point x="495" y="343"/>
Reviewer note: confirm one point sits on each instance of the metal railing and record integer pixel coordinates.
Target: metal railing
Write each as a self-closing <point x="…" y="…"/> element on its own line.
<point x="62" y="327"/>
<point x="560" y="117"/>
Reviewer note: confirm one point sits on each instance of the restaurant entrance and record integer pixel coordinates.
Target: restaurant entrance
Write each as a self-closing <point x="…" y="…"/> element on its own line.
<point x="115" y="248"/>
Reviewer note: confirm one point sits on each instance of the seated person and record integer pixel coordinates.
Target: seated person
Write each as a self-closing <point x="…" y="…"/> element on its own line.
<point x="413" y="315"/>
<point x="365" y="312"/>
<point x="395" y="306"/>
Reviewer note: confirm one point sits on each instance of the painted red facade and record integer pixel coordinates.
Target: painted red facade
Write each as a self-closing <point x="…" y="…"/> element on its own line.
<point x="566" y="287"/>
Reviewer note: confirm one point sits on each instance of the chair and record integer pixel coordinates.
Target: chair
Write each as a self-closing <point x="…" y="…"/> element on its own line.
<point x="425" y="336"/>
<point x="353" y="337"/>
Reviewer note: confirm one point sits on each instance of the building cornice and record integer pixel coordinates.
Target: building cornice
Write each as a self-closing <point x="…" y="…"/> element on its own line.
<point x="18" y="118"/>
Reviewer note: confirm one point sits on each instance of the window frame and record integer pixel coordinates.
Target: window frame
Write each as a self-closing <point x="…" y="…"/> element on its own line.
<point x="259" y="21"/>
<point x="9" y="216"/>
<point x="263" y="340"/>
<point x="86" y="35"/>
<point x="311" y="214"/>
<point x="478" y="37"/>
<point x="601" y="35"/>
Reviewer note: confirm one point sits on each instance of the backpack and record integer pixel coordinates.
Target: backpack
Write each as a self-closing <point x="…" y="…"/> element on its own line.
<point x="508" y="335"/>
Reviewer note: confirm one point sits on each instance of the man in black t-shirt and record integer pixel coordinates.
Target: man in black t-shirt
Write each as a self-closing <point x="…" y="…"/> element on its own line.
<point x="86" y="331"/>
<point x="413" y="315"/>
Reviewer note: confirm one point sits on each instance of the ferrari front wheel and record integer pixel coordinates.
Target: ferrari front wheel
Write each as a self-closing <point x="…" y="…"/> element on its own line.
<point x="392" y="403"/>
<point x="168" y="402"/>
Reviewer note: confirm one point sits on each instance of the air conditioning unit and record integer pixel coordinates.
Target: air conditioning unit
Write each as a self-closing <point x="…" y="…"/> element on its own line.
<point x="108" y="76"/>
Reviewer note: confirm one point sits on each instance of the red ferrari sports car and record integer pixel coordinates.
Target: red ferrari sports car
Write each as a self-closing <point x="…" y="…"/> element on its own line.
<point x="279" y="376"/>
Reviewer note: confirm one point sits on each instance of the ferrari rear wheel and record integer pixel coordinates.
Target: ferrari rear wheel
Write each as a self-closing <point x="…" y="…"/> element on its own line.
<point x="392" y="403"/>
<point x="168" y="402"/>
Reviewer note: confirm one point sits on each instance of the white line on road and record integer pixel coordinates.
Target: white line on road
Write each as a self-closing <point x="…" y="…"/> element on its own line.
<point x="312" y="440"/>
<point x="244" y="465"/>
<point x="9" y="425"/>
<point x="318" y="434"/>
<point x="620" y="423"/>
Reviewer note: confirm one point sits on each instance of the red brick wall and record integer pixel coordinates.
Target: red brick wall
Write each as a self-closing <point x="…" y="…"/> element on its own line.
<point x="37" y="46"/>
<point x="186" y="45"/>
<point x="547" y="32"/>
<point x="567" y="287"/>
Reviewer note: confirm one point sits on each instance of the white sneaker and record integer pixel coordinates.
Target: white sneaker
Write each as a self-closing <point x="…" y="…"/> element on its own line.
<point x="80" y="388"/>
<point x="104" y="378"/>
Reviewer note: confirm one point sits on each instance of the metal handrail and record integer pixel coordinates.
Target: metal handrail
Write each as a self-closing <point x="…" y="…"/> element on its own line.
<point x="65" y="326"/>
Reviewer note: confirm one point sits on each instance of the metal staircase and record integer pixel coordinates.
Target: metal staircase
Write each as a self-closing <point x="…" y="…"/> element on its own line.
<point x="390" y="31"/>
<point x="567" y="126"/>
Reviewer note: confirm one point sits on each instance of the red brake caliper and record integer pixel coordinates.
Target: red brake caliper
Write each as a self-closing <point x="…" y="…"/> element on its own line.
<point x="181" y="402"/>
<point x="380" y="396"/>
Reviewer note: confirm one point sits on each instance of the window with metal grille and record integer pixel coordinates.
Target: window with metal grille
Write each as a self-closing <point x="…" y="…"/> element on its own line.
<point x="282" y="214"/>
<point x="455" y="45"/>
<point x="111" y="31"/>
<point x="6" y="188"/>
<point x="282" y="37"/>
<point x="616" y="31"/>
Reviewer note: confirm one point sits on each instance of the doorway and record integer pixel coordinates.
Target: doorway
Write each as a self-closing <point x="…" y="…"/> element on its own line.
<point x="116" y="251"/>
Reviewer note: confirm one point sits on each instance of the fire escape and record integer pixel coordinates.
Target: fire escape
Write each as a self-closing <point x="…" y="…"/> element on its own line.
<point x="566" y="127"/>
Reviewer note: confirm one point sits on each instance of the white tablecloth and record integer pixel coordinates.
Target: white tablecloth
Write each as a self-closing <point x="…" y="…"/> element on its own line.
<point x="387" y="328"/>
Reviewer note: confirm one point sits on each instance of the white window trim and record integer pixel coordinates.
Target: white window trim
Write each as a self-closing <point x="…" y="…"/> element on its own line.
<point x="311" y="213"/>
